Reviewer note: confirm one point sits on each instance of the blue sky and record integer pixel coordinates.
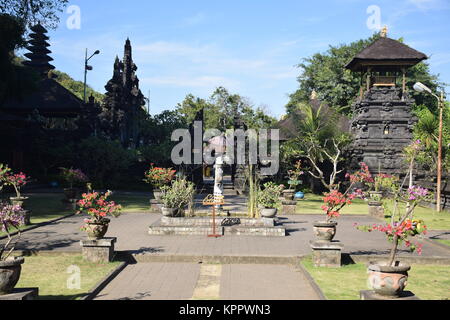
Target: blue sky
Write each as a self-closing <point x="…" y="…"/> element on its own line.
<point x="251" y="47"/>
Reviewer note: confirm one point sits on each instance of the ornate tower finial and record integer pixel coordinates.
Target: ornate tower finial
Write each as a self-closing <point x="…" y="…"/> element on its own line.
<point x="384" y="32"/>
<point x="314" y="95"/>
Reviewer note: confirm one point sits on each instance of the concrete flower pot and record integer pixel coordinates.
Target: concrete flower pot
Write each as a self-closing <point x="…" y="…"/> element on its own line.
<point x="97" y="231"/>
<point x="289" y="195"/>
<point x="325" y="231"/>
<point x="18" y="201"/>
<point x="71" y="193"/>
<point x="9" y="274"/>
<point x="157" y="194"/>
<point x="169" y="212"/>
<point x="386" y="280"/>
<point x="269" y="212"/>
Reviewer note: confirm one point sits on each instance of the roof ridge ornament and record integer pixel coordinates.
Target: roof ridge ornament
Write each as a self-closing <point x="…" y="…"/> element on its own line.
<point x="384" y="32"/>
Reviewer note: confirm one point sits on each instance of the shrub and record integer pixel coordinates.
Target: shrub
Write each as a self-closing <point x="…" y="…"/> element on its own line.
<point x="178" y="195"/>
<point x="270" y="197"/>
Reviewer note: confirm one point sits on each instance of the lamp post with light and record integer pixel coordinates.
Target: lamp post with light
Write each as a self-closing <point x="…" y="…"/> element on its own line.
<point x="86" y="69"/>
<point x="420" y="87"/>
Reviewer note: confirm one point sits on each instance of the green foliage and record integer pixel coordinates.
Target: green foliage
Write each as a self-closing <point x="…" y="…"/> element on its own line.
<point x="427" y="131"/>
<point x="156" y="133"/>
<point x="269" y="198"/>
<point x="30" y="11"/>
<point x="104" y="161"/>
<point x="221" y="109"/>
<point x="178" y="195"/>
<point x="77" y="87"/>
<point x="325" y="73"/>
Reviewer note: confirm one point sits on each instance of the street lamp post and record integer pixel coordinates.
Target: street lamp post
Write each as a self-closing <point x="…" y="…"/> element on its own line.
<point x="86" y="69"/>
<point x="420" y="87"/>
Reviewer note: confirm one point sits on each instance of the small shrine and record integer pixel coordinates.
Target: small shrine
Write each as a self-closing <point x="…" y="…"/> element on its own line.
<point x="383" y="121"/>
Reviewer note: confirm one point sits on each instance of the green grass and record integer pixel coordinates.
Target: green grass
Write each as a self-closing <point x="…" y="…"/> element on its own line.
<point x="446" y="242"/>
<point x="50" y="275"/>
<point x="132" y="203"/>
<point x="434" y="221"/>
<point x="428" y="282"/>
<point x="45" y="207"/>
<point x="312" y="205"/>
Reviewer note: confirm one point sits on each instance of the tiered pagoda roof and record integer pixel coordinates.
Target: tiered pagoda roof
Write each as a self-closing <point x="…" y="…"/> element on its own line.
<point x="39" y="54"/>
<point x="387" y="52"/>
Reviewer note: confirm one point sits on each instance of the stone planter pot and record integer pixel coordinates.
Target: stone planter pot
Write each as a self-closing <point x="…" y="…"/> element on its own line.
<point x="289" y="195"/>
<point x="386" y="280"/>
<point x="157" y="194"/>
<point x="10" y="274"/>
<point x="269" y="212"/>
<point x="325" y="231"/>
<point x="18" y="201"/>
<point x="169" y="212"/>
<point x="71" y="193"/>
<point x="376" y="196"/>
<point x="97" y="231"/>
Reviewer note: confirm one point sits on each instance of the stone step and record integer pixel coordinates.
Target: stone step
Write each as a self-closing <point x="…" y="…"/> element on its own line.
<point x="207" y="221"/>
<point x="227" y="231"/>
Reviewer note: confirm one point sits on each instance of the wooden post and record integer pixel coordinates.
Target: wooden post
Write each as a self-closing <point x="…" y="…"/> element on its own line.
<point x="439" y="175"/>
<point x="368" y="80"/>
<point x="404" y="84"/>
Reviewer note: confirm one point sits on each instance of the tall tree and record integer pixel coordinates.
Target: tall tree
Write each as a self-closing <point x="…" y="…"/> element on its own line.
<point x="31" y="12"/>
<point x="325" y="73"/>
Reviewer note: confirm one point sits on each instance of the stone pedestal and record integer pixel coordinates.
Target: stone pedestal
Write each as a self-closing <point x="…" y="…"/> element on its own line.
<point x="371" y="295"/>
<point x="98" y="251"/>
<point x="155" y="206"/>
<point x="27" y="216"/>
<point x="21" y="294"/>
<point x="289" y="207"/>
<point x="327" y="254"/>
<point x="376" y="209"/>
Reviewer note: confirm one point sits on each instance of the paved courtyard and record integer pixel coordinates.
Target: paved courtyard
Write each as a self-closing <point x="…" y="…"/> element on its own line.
<point x="172" y="268"/>
<point x="131" y="231"/>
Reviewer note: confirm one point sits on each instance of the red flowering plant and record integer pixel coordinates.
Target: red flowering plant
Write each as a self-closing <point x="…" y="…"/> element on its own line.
<point x="400" y="230"/>
<point x="335" y="201"/>
<point x="97" y="206"/>
<point x="16" y="180"/>
<point x="159" y="177"/>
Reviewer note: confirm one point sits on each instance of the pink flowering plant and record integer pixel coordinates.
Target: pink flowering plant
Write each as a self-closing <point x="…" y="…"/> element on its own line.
<point x="11" y="217"/>
<point x="73" y="176"/>
<point x="16" y="180"/>
<point x="97" y="206"/>
<point x="404" y="227"/>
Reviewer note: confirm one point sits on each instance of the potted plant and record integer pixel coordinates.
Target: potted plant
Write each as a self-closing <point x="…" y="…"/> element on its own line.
<point x="269" y="200"/>
<point x="98" y="207"/>
<point x="334" y="202"/>
<point x="389" y="278"/>
<point x="73" y="177"/>
<point x="293" y="182"/>
<point x="158" y="178"/>
<point x="10" y="267"/>
<point x="176" y="197"/>
<point x="17" y="181"/>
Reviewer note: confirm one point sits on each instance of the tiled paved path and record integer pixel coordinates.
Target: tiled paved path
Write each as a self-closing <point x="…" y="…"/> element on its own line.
<point x="181" y="281"/>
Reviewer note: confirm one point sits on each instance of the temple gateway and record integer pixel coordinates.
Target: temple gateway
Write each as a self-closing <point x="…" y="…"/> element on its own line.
<point x="383" y="121"/>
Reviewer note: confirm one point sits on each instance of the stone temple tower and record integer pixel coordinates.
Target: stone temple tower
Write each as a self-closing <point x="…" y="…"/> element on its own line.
<point x="383" y="122"/>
